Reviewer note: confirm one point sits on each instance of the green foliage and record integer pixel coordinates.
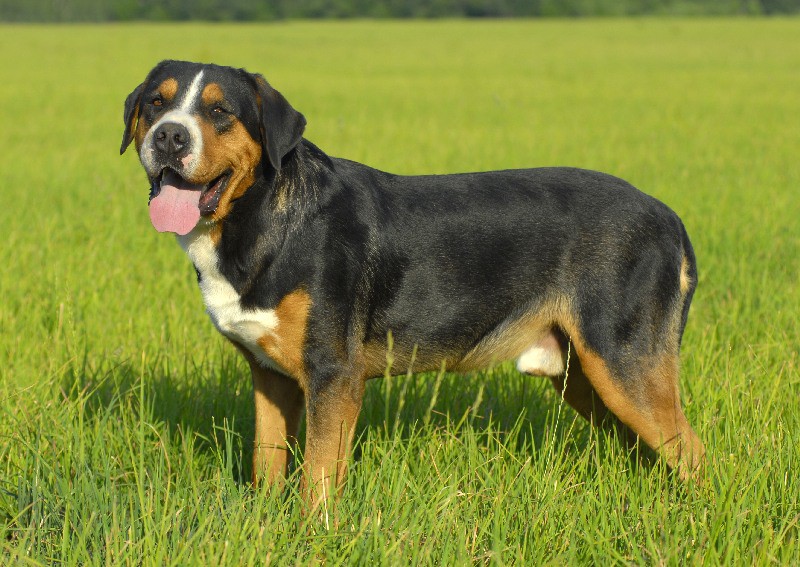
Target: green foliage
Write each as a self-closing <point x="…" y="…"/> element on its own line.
<point x="125" y="420"/>
<point x="263" y="10"/>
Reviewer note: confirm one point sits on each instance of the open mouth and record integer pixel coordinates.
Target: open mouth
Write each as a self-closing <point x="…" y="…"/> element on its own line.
<point x="209" y="193"/>
<point x="177" y="204"/>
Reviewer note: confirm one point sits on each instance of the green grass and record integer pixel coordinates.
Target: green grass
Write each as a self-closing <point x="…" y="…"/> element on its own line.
<point x="125" y="421"/>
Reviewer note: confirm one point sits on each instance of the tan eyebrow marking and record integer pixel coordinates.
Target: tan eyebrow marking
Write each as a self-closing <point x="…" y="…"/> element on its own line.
<point x="168" y="88"/>
<point x="212" y="93"/>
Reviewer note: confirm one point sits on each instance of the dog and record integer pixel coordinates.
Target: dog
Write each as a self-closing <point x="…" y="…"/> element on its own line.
<point x="308" y="263"/>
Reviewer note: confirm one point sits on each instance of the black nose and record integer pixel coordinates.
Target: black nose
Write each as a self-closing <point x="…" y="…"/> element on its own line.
<point x="171" y="138"/>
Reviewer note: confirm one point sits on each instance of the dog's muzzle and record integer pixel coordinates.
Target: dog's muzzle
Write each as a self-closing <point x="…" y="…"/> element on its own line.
<point x="172" y="140"/>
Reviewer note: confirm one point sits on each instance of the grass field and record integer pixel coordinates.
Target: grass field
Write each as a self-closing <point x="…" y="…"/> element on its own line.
<point x="125" y="420"/>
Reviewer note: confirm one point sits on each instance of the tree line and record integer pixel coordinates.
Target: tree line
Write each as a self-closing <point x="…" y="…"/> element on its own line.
<point x="266" y="10"/>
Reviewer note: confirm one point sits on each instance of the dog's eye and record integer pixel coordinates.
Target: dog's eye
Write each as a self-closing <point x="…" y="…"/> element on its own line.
<point x="219" y="110"/>
<point x="157" y="101"/>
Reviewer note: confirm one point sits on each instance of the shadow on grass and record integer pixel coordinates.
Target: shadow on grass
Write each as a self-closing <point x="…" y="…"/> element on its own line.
<point x="211" y="402"/>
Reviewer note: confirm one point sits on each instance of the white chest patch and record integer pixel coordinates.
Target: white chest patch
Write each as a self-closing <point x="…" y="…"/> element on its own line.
<point x="223" y="304"/>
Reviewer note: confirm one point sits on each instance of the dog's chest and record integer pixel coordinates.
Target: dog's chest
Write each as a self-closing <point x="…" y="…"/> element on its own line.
<point x="248" y="327"/>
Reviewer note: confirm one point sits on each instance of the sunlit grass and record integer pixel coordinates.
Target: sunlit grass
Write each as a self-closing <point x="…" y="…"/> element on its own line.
<point x="125" y="420"/>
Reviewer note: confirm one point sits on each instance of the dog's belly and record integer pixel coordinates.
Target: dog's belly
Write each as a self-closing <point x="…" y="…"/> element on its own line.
<point x="531" y="340"/>
<point x="247" y="327"/>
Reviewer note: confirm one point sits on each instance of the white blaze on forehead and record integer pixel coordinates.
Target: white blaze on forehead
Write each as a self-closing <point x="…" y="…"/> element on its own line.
<point x="181" y="115"/>
<point x="191" y="95"/>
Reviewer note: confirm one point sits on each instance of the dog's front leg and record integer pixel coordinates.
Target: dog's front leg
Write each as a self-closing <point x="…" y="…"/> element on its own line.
<point x="332" y="412"/>
<point x="279" y="407"/>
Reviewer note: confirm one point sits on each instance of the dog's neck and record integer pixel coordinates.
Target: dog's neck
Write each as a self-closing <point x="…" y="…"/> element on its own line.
<point x="261" y="220"/>
<point x="296" y="187"/>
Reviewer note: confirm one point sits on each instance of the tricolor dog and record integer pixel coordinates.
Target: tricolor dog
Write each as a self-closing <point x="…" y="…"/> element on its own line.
<point x="308" y="262"/>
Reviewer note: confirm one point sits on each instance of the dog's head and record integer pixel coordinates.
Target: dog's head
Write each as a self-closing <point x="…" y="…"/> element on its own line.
<point x="203" y="133"/>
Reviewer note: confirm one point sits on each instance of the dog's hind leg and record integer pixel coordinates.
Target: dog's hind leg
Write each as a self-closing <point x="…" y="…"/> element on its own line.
<point x="579" y="393"/>
<point x="646" y="400"/>
<point x="570" y="382"/>
<point x="626" y="324"/>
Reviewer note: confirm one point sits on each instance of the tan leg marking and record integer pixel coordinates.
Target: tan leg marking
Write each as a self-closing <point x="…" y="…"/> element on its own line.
<point x="652" y="411"/>
<point x="580" y="394"/>
<point x="584" y="399"/>
<point x="279" y="406"/>
<point x="330" y="427"/>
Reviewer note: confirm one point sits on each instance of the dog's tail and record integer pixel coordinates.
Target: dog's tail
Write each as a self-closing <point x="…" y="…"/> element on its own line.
<point x="688" y="277"/>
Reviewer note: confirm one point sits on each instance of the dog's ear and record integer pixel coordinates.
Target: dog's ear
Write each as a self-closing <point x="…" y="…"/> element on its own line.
<point x="131" y="116"/>
<point x="281" y="125"/>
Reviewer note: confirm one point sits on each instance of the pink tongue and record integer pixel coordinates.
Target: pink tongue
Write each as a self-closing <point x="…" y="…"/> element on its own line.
<point x="176" y="207"/>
